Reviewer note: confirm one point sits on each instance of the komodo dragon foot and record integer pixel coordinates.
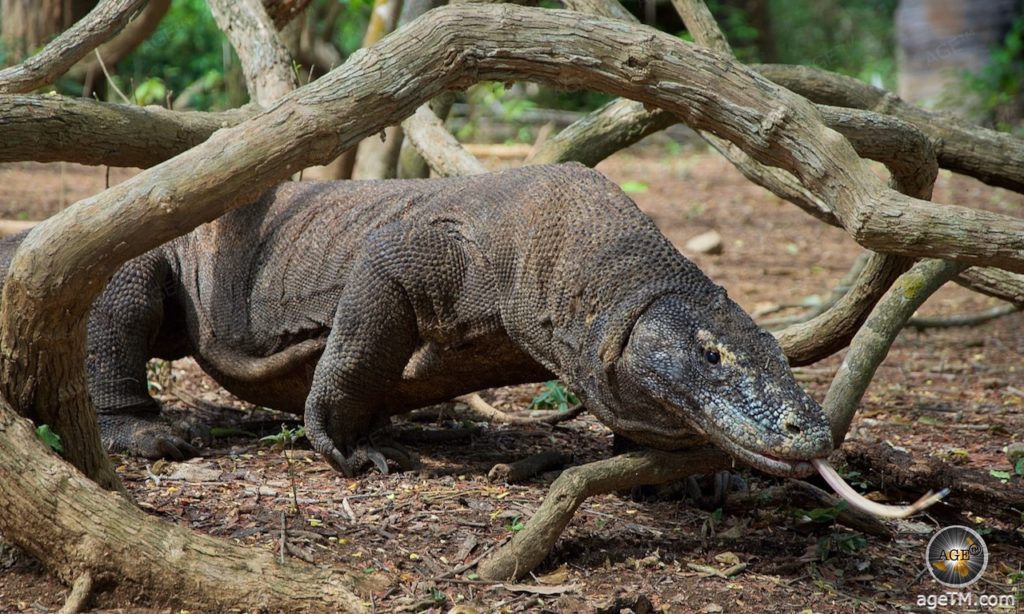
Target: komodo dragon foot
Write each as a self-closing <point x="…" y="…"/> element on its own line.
<point x="150" y="434"/>
<point x="373" y="452"/>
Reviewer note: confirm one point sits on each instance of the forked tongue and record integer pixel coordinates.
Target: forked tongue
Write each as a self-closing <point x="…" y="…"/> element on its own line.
<point x="858" y="501"/>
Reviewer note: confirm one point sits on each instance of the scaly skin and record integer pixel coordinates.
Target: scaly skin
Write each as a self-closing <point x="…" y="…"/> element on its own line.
<point x="350" y="302"/>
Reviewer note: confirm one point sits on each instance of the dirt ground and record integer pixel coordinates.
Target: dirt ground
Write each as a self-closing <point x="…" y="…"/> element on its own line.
<point x="955" y="394"/>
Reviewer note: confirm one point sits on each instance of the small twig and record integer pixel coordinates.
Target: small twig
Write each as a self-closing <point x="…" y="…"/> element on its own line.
<point x="81" y="591"/>
<point x="284" y="536"/>
<point x="725" y="574"/>
<point x="106" y="74"/>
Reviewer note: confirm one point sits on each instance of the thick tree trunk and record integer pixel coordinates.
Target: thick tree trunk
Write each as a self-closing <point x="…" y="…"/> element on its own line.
<point x="75" y="528"/>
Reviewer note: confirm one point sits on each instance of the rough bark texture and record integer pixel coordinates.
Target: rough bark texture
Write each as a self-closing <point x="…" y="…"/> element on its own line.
<point x="994" y="157"/>
<point x="44" y="501"/>
<point x="101" y="24"/>
<point x="265" y="60"/>
<point x="57" y="128"/>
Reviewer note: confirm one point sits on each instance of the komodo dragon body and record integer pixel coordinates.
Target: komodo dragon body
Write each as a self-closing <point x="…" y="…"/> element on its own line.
<point x="350" y="302"/>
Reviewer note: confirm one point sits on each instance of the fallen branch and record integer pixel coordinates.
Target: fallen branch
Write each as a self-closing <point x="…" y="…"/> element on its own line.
<point x="957" y="321"/>
<point x="970" y="489"/>
<point x="60" y="54"/>
<point x="529" y="546"/>
<point x="528" y="467"/>
<point x="488" y="412"/>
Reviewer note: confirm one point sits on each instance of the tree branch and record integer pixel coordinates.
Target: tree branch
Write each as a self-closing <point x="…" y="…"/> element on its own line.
<point x="995" y="158"/>
<point x="57" y="128"/>
<point x="443" y="152"/>
<point x="121" y="45"/>
<point x="265" y="60"/>
<point x="60" y="54"/>
<point x="872" y="342"/>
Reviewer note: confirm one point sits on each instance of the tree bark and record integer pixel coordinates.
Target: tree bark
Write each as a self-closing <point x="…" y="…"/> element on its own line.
<point x="57" y="128"/>
<point x="101" y="24"/>
<point x="266" y="63"/>
<point x="74" y="527"/>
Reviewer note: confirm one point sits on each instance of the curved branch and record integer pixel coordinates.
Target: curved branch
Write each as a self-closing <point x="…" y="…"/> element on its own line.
<point x="141" y="551"/>
<point x="121" y="45"/>
<point x="827" y="333"/>
<point x="995" y="158"/>
<point x="61" y="53"/>
<point x="872" y="342"/>
<point x="600" y="133"/>
<point x="530" y="545"/>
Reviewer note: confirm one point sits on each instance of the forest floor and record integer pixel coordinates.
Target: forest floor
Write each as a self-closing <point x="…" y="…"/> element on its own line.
<point x="954" y="394"/>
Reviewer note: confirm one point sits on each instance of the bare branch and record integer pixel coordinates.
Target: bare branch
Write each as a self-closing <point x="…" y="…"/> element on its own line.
<point x="872" y="342"/>
<point x="975" y="319"/>
<point x="599" y="134"/>
<point x="827" y="333"/>
<point x="530" y="545"/>
<point x="994" y="157"/>
<point x="265" y="60"/>
<point x="121" y="45"/>
<point x="102" y="23"/>
<point x="443" y="152"/>
<point x="57" y="128"/>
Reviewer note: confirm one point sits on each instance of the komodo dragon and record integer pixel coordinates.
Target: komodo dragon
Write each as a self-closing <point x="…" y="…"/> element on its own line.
<point x="350" y="302"/>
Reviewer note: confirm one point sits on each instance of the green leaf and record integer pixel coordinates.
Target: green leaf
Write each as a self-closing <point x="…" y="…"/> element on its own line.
<point x="1000" y="475"/>
<point x="1019" y="467"/>
<point x="44" y="432"/>
<point x="634" y="187"/>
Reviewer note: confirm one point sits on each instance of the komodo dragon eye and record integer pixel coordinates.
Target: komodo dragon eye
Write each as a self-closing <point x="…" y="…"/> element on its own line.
<point x="712" y="357"/>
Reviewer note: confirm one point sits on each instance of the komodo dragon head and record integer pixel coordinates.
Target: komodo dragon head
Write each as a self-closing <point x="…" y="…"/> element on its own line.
<point x="703" y="365"/>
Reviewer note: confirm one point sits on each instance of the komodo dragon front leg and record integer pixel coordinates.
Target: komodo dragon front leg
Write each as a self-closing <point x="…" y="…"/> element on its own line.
<point x="124" y="332"/>
<point x="372" y="338"/>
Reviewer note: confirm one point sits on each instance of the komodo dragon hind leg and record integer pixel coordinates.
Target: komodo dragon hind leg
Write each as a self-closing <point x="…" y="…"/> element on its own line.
<point x="372" y="338"/>
<point x="123" y="327"/>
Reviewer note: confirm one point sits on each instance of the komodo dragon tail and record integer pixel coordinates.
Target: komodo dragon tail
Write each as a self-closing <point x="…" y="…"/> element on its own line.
<point x="245" y="368"/>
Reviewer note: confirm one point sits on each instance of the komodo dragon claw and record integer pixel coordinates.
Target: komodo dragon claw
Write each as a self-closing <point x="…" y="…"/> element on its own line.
<point x="366" y="455"/>
<point x="150" y="435"/>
